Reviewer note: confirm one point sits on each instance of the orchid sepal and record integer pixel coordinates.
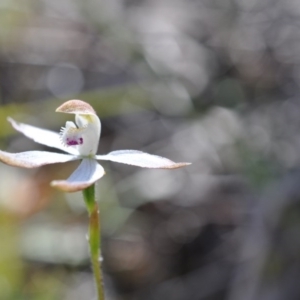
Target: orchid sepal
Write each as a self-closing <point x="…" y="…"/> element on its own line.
<point x="76" y="107"/>
<point x="141" y="159"/>
<point x="34" y="159"/>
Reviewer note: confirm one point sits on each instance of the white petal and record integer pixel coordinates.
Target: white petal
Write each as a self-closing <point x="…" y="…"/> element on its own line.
<point x="42" y="136"/>
<point x="141" y="159"/>
<point x="33" y="159"/>
<point x="88" y="172"/>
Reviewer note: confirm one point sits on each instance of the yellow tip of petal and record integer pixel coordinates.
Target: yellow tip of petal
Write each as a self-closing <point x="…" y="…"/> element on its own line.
<point x="177" y="165"/>
<point x="76" y="107"/>
<point x="65" y="186"/>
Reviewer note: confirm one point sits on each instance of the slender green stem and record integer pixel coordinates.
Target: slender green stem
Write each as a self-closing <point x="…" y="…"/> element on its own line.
<point x="94" y="237"/>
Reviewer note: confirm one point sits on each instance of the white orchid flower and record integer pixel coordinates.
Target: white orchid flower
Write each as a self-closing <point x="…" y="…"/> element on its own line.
<point x="80" y="140"/>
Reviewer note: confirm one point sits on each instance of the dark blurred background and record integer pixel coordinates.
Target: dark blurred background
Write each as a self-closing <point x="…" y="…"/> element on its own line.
<point x="212" y="82"/>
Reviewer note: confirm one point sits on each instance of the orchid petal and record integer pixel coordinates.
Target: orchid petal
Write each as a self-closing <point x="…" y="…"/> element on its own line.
<point x="42" y="136"/>
<point x="85" y="175"/>
<point x="141" y="159"/>
<point x="33" y="159"/>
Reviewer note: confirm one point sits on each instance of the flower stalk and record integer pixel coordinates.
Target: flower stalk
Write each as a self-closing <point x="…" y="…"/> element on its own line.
<point x="94" y="238"/>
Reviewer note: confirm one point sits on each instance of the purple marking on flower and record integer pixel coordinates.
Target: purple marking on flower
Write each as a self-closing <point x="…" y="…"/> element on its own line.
<point x="81" y="141"/>
<point x="73" y="142"/>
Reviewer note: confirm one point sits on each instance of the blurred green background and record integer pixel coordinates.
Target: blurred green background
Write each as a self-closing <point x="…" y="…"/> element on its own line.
<point x="212" y="82"/>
